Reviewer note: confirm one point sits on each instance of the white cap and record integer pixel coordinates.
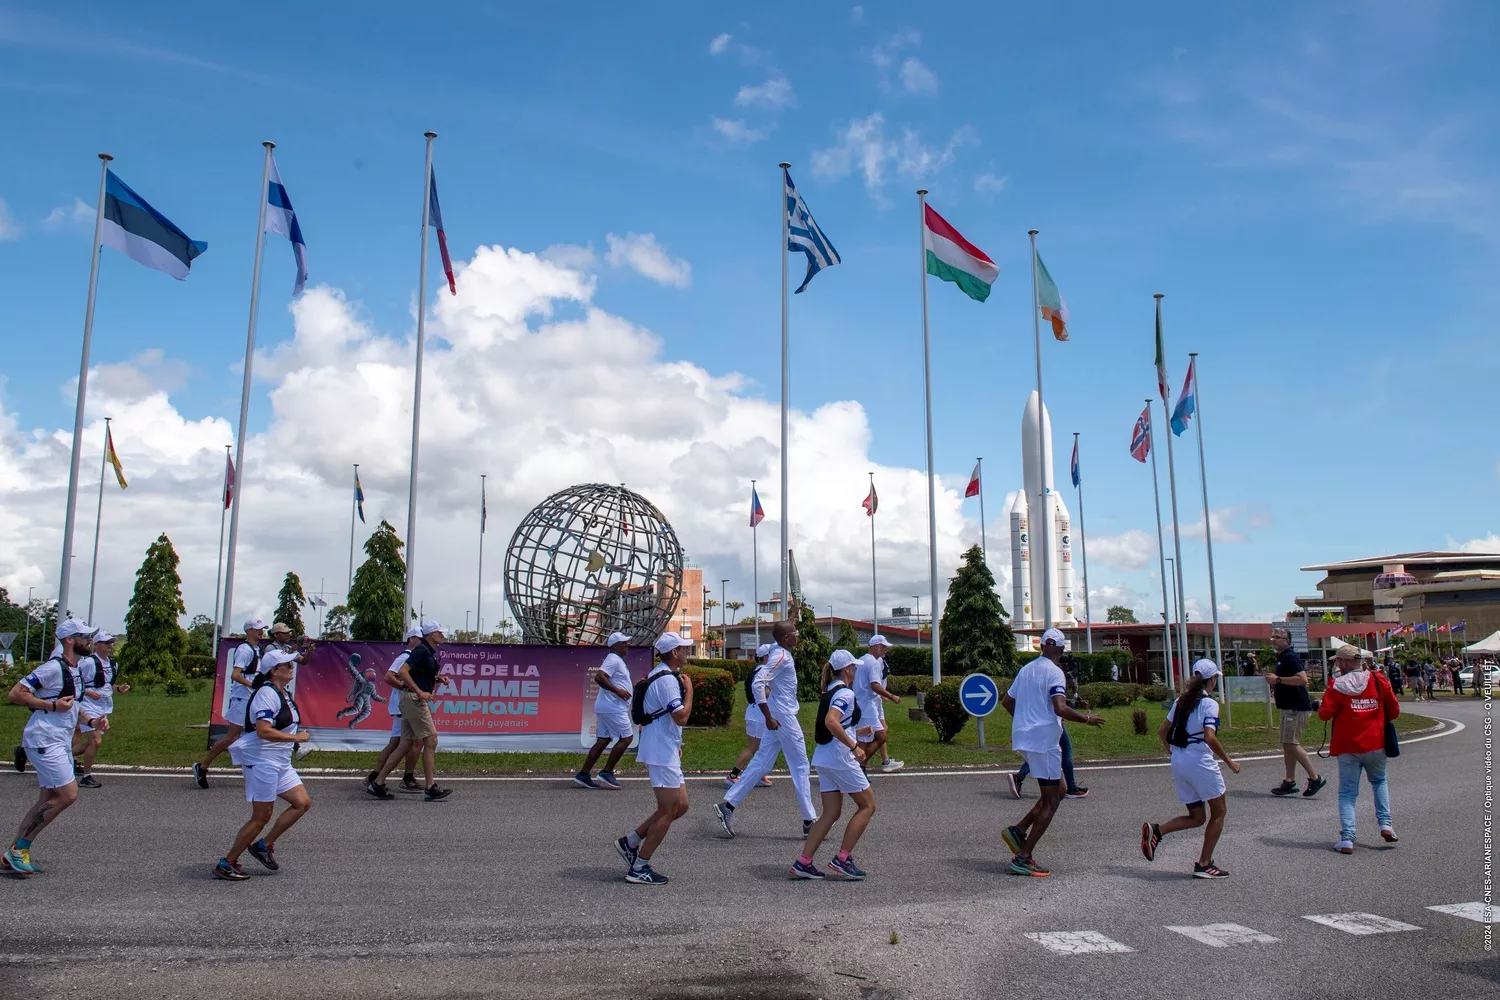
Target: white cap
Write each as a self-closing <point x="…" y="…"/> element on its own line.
<point x="669" y="641"/>
<point x="840" y="659"/>
<point x="412" y="633"/>
<point x="72" y="626"/>
<point x="616" y="637"/>
<point x="763" y="650"/>
<point x="103" y="636"/>
<point x="254" y="623"/>
<point x="430" y="625"/>
<point x="878" y="640"/>
<point x="1053" y="636"/>
<point x="1205" y="668"/>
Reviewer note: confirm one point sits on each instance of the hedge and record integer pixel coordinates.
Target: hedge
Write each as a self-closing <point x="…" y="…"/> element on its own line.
<point x="905" y="687"/>
<point x="909" y="660"/>
<point x="197" y="665"/>
<point x="946" y="710"/>
<point x="713" y="695"/>
<point x="736" y="668"/>
<point x="1107" y="694"/>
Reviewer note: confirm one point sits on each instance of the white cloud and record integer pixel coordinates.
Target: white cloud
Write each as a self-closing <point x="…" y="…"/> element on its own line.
<point x="1147" y="609"/>
<point x="1132" y="549"/>
<point x="863" y="145"/>
<point x="523" y="380"/>
<point x="10" y="229"/>
<point x="77" y="214"/>
<point x="1489" y="543"/>
<point x="857" y="15"/>
<point x="917" y="78"/>
<point x="989" y="183"/>
<point x="571" y="255"/>
<point x="737" y="131"/>
<point x="1230" y="524"/>
<point x="884" y="54"/>
<point x="720" y="44"/>
<point x="775" y="93"/>
<point x="641" y="253"/>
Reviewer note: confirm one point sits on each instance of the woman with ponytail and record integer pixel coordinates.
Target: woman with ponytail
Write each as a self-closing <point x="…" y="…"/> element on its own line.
<point x="1190" y="733"/>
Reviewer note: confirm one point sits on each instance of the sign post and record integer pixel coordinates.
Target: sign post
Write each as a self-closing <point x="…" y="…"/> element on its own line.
<point x="979" y="694"/>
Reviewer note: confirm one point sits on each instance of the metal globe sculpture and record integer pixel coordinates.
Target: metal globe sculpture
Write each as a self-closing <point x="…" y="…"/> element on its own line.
<point x="590" y="560"/>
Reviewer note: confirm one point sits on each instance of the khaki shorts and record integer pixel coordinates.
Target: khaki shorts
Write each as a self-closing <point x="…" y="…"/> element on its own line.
<point x="416" y="719"/>
<point x="1292" y="724"/>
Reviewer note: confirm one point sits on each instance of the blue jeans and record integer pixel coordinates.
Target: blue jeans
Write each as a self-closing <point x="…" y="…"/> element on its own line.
<point x="1350" y="766"/>
<point x="1067" y="755"/>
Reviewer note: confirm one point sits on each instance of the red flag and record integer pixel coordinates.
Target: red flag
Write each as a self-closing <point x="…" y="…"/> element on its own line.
<point x="1140" y="436"/>
<point x="972" y="490"/>
<point x="871" y="502"/>
<point x="435" y="220"/>
<point x="228" y="480"/>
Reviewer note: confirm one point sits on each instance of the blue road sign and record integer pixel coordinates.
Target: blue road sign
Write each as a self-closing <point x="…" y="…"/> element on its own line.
<point x="979" y="694"/>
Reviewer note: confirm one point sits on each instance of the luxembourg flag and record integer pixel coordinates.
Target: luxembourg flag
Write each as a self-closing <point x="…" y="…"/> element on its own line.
<point x="1187" y="402"/>
<point x="281" y="219"/>
<point x="757" y="512"/>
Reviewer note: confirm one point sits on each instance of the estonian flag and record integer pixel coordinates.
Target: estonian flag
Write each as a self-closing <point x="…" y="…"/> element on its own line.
<point x="143" y="234"/>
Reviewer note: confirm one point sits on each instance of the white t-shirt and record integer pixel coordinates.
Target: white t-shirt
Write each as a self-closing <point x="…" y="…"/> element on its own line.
<point x="49" y="681"/>
<point x="89" y="670"/>
<point x="607" y="702"/>
<point x="250" y="748"/>
<point x="394" y="704"/>
<point x="245" y="655"/>
<point x="835" y="753"/>
<point x="1036" y="726"/>
<point x="661" y="740"/>
<point x="871" y="670"/>
<point x="777" y="685"/>
<point x="1205" y="715"/>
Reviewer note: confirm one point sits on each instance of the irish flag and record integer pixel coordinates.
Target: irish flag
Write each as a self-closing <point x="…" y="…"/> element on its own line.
<point x="953" y="258"/>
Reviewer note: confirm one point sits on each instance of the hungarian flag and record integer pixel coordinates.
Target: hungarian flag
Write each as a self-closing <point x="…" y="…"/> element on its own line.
<point x="757" y="512"/>
<point x="872" y="502"/>
<point x="1050" y="301"/>
<point x="435" y="220"/>
<point x="228" y="479"/>
<point x="972" y="490"/>
<point x="953" y="258"/>
<point x="113" y="458"/>
<point x="1140" y="436"/>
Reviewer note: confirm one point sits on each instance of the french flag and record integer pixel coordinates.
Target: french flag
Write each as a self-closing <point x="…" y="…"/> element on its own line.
<point x="435" y="220"/>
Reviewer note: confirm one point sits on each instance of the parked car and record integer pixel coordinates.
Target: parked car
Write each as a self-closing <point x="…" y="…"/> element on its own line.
<point x="1467" y="675"/>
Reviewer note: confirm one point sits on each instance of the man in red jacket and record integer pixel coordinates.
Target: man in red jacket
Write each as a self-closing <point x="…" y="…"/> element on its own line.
<point x="1359" y="703"/>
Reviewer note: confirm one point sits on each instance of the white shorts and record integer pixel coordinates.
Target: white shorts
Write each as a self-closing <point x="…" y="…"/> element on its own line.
<point x="396" y="726"/>
<point x="266" y="781"/>
<point x="755" y="724"/>
<point x="1198" y="778"/>
<point x="53" y="764"/>
<point x="235" y="713"/>
<point x="1046" y="765"/>
<point x="870" y="722"/>
<point x="614" y="726"/>
<point x="665" y="775"/>
<point x="841" y="778"/>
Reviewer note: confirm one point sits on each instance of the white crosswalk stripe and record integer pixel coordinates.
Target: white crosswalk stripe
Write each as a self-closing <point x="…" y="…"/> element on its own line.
<point x="1469" y="911"/>
<point x="1224" y="935"/>
<point x="1078" y="942"/>
<point x="1361" y="923"/>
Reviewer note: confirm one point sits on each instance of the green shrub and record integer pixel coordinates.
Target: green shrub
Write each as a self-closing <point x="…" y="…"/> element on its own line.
<point x="1157" y="693"/>
<point x="946" y="710"/>
<point x="905" y="687"/>
<point x="736" y="668"/>
<point x="175" y="688"/>
<point x="909" y="661"/>
<point x="1107" y="694"/>
<point x="197" y="665"/>
<point x="713" y="695"/>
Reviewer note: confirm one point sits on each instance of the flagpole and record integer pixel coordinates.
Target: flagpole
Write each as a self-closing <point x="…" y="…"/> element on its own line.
<point x="416" y="398"/>
<point x="65" y="575"/>
<point x="1168" y="672"/>
<point x="479" y="593"/>
<point x="98" y="519"/>
<point x="1045" y="507"/>
<point x="937" y="654"/>
<point x="1182" y="639"/>
<point x="755" y="566"/>
<point x="219" y="573"/>
<point x="353" y="512"/>
<point x="1083" y="541"/>
<point x="1208" y="535"/>
<point x="984" y="546"/>
<point x="786" y="378"/>
<point x="874" y="587"/>
<point x="239" y="447"/>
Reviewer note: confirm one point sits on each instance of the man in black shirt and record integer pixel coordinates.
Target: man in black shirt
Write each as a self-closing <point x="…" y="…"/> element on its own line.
<point x="420" y="675"/>
<point x="1289" y="686"/>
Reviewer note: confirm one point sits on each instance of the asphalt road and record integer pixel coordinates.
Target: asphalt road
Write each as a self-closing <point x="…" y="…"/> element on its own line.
<point x="513" y="889"/>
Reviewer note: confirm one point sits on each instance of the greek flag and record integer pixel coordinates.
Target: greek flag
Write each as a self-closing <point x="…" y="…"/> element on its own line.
<point x="282" y="220"/>
<point x="803" y="235"/>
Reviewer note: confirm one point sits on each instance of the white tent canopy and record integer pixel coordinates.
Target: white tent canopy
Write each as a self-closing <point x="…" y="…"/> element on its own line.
<point x="1489" y="644"/>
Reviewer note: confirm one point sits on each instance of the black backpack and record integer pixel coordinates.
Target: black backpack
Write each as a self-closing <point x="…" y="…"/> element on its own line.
<point x="100" y="681"/>
<point x="821" y="732"/>
<point x="749" y="681"/>
<point x="69" y="690"/>
<point x="638" y="713"/>
<point x="1178" y="736"/>
<point x="283" y="714"/>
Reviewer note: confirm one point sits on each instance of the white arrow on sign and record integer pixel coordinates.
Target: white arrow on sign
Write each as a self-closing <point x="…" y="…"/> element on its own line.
<point x="984" y="697"/>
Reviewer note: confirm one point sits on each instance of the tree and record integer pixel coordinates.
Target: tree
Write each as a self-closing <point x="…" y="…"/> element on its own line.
<point x="289" y="604"/>
<point x="336" y="623"/>
<point x="200" y="636"/>
<point x="31" y="632"/>
<point x="156" y="642"/>
<point x="813" y="650"/>
<point x="708" y="605"/>
<point x="847" y="639"/>
<point x="1119" y="614"/>
<point x="975" y="635"/>
<point x="377" y="598"/>
<point x="1332" y="617"/>
<point x="733" y="607"/>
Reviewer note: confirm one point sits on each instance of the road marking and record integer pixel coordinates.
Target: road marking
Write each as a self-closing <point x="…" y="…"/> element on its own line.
<point x="1469" y="911"/>
<point x="1361" y="923"/>
<point x="1224" y="935"/>
<point x="1078" y="943"/>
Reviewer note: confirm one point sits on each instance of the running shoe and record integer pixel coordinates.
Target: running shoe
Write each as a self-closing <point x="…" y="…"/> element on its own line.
<point x="265" y="854"/>
<point x="807" y="826"/>
<point x="379" y="791"/>
<point x="89" y="781"/>
<point x="892" y="765"/>
<point x="18" y="860"/>
<point x="1209" y="870"/>
<point x="409" y="783"/>
<point x="725" y="812"/>
<point x="1014" y="783"/>
<point x="229" y="872"/>
<point x="606" y="779"/>
<point x="200" y="774"/>
<point x="1026" y="866"/>
<point x="766" y="781"/>
<point x="626" y="851"/>
<point x="1080" y="792"/>
<point x="645" y="875"/>
<point x="19" y="759"/>
<point x="1015" y="839"/>
<point x="1344" y="847"/>
<point x="848" y="869"/>
<point x="582" y="780"/>
<point x="1313" y="787"/>
<point x="1285" y="788"/>
<point x="1150" y="837"/>
<point x="370" y="778"/>
<point x="1388" y="835"/>
<point x="729" y="780"/>
<point x="807" y="871"/>
<point x="436" y="794"/>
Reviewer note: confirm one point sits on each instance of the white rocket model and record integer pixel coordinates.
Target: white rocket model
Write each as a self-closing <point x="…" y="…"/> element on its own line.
<point x="1052" y="529"/>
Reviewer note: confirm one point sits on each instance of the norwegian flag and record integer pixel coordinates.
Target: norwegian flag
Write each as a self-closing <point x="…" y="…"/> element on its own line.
<point x="1140" y="437"/>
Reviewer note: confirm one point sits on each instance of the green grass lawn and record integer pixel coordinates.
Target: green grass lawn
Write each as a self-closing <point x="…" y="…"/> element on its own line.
<point x="155" y="730"/>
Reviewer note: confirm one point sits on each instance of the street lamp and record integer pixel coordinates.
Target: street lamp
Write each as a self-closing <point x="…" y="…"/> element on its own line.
<point x="723" y="596"/>
<point x="26" y="655"/>
<point x="917" y="609"/>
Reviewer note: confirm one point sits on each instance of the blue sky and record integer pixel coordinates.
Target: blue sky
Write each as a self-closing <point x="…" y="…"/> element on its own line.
<point x="1311" y="185"/>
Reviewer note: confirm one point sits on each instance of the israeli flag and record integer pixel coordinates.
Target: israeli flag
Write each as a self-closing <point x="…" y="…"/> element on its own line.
<point x="282" y="220"/>
<point x="803" y="235"/>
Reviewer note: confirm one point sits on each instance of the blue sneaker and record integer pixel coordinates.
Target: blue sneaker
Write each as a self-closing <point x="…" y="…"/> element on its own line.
<point x="18" y="860"/>
<point x="229" y="872"/>
<point x="265" y="854"/>
<point x="626" y="851"/>
<point x="606" y="779"/>
<point x="808" y="871"/>
<point x="645" y="875"/>
<point x="725" y="812"/>
<point x="582" y="780"/>
<point x="848" y="869"/>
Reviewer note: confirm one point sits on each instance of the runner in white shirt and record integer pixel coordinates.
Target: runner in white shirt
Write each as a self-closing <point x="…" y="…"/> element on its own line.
<point x="1190" y="732"/>
<point x="755" y="719"/>
<point x="665" y="707"/>
<point x="409" y="782"/>
<point x="244" y="663"/>
<point x="51" y="692"/>
<point x="611" y="715"/>
<point x="777" y="694"/>
<point x="264" y="753"/>
<point x="100" y="676"/>
<point x="839" y="759"/>
<point x="1037" y="702"/>
<point x="869" y="690"/>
